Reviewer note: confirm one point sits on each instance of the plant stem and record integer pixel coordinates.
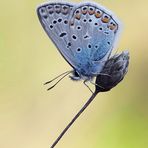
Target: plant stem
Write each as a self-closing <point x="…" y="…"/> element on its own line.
<point x="74" y="119"/>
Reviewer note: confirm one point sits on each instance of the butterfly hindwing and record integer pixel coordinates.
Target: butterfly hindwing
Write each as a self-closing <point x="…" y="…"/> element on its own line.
<point x="95" y="30"/>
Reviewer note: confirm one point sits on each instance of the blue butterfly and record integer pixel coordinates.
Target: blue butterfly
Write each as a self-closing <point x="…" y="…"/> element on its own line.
<point x="84" y="34"/>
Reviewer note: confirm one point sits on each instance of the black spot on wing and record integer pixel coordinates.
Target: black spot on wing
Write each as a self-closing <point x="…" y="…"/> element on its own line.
<point x="74" y="37"/>
<point x="63" y="34"/>
<point x="60" y="20"/>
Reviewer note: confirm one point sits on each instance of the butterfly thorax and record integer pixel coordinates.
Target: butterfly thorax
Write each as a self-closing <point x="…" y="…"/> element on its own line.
<point x="87" y="70"/>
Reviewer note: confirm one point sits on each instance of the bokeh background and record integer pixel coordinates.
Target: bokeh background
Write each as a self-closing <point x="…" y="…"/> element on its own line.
<point x="31" y="117"/>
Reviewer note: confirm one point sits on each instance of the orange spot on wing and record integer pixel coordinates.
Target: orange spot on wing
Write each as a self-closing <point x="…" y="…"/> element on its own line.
<point x="98" y="13"/>
<point x="84" y="10"/>
<point x="112" y="26"/>
<point x="78" y="16"/>
<point x="105" y="18"/>
<point x="91" y="11"/>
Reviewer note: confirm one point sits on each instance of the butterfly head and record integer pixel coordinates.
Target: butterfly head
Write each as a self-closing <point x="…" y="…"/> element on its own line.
<point x="76" y="76"/>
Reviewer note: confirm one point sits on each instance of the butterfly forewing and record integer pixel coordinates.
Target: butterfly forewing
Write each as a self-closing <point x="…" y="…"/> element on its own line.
<point x="54" y="18"/>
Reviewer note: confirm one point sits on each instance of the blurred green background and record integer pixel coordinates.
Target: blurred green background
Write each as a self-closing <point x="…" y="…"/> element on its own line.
<point x="31" y="117"/>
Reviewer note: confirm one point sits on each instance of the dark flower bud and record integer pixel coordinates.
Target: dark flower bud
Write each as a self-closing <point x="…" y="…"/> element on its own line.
<point x="113" y="72"/>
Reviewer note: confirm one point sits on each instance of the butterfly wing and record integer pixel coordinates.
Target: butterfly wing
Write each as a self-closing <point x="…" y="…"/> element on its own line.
<point x="54" y="17"/>
<point x="93" y="32"/>
<point x="84" y="33"/>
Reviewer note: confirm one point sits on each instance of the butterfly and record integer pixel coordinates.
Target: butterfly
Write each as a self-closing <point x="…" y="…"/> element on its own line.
<point x="84" y="33"/>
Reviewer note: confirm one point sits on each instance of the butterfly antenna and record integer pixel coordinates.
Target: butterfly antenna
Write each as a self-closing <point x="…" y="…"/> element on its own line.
<point x="57" y="77"/>
<point x="66" y="73"/>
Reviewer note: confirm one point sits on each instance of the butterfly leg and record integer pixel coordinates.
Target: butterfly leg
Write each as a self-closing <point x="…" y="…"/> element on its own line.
<point x="96" y="85"/>
<point x="87" y="86"/>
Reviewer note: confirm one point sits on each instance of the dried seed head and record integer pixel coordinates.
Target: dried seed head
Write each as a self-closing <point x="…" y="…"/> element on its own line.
<point x="113" y="72"/>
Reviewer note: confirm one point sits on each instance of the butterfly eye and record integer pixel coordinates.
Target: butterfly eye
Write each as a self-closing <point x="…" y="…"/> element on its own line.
<point x="98" y="13"/>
